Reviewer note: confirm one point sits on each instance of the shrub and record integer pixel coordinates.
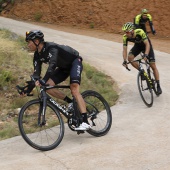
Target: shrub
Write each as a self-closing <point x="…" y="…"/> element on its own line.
<point x="38" y="16"/>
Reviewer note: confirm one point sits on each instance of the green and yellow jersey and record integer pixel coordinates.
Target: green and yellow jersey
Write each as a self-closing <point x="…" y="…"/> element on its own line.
<point x="139" y="20"/>
<point x="140" y="37"/>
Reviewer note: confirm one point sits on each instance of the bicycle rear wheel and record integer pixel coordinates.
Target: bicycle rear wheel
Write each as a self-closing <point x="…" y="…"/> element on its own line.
<point x="145" y="89"/>
<point x="41" y="137"/>
<point x="99" y="113"/>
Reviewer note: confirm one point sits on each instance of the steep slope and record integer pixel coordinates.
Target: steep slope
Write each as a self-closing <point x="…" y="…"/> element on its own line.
<point x="106" y="15"/>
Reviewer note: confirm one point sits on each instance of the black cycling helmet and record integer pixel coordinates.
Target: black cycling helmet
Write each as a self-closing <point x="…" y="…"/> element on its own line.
<point x="34" y="34"/>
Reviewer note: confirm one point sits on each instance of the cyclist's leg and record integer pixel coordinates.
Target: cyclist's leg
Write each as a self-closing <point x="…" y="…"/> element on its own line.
<point x="152" y="62"/>
<point x="154" y="68"/>
<point x="57" y="78"/>
<point x="75" y="80"/>
<point x="76" y="93"/>
<point x="132" y="54"/>
<point x="54" y="92"/>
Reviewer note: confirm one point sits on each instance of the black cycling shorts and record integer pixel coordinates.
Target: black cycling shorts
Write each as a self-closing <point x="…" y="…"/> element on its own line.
<point x="61" y="75"/>
<point x="137" y="48"/>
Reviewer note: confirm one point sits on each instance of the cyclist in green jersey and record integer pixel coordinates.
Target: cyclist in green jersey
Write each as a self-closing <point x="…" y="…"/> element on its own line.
<point x="141" y="44"/>
<point x="141" y="19"/>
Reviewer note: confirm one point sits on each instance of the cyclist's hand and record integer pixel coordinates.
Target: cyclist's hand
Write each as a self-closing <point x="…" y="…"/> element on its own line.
<point x="23" y="94"/>
<point x="37" y="83"/>
<point x="154" y="32"/>
<point x="124" y="63"/>
<point x="40" y="82"/>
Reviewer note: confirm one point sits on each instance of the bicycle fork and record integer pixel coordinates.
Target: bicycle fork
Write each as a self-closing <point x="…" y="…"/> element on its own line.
<point x="42" y="109"/>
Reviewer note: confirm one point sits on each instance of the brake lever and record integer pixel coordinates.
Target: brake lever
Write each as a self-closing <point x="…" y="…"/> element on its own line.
<point x="126" y="67"/>
<point x="21" y="90"/>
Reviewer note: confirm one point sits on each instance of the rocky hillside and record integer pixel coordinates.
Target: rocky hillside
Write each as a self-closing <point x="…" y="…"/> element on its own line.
<point x="106" y="15"/>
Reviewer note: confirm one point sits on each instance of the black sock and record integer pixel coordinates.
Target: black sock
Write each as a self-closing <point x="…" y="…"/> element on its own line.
<point x="158" y="83"/>
<point x="84" y="116"/>
<point x="67" y="99"/>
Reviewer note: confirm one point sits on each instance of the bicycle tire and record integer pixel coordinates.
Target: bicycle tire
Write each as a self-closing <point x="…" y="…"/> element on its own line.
<point x="145" y="90"/>
<point x="45" y="137"/>
<point x="99" y="111"/>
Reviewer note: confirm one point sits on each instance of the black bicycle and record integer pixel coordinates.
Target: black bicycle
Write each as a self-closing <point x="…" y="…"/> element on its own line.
<point x="145" y="81"/>
<point x="41" y="121"/>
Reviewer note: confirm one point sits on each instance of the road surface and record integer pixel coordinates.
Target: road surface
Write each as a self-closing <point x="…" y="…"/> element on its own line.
<point x="139" y="138"/>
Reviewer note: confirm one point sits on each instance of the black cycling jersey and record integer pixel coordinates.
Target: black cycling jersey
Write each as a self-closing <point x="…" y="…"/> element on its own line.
<point x="57" y="56"/>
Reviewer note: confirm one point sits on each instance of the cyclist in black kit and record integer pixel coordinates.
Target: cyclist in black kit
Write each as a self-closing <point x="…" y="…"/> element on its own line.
<point x="63" y="61"/>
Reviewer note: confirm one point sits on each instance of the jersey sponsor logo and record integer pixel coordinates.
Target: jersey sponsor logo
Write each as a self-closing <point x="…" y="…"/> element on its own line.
<point x="43" y="49"/>
<point x="78" y="71"/>
<point x="75" y="81"/>
<point x="42" y="59"/>
<point x="49" y="55"/>
<point x="56" y="104"/>
<point x="35" y="63"/>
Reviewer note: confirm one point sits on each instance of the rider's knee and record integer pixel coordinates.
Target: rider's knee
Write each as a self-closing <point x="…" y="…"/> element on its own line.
<point x="130" y="57"/>
<point x="74" y="89"/>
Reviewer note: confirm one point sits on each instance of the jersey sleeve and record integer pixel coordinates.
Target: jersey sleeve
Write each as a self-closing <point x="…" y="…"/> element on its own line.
<point x="143" y="35"/>
<point x="125" y="40"/>
<point x="37" y="65"/>
<point x="149" y="17"/>
<point x="151" y="24"/>
<point x="137" y="21"/>
<point x="53" y="55"/>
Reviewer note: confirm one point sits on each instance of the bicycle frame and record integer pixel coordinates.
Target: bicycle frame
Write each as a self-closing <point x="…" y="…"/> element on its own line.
<point x="44" y="97"/>
<point x="141" y="69"/>
<point x="146" y="74"/>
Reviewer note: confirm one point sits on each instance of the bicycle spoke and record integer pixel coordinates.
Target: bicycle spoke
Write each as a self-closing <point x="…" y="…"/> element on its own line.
<point x="145" y="90"/>
<point x="99" y="113"/>
<point x="42" y="137"/>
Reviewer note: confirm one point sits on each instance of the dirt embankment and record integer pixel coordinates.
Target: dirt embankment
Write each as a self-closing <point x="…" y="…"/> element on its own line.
<point x="108" y="15"/>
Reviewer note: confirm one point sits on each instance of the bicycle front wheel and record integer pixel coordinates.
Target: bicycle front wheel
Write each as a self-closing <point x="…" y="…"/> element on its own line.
<point x="99" y="113"/>
<point x="40" y="136"/>
<point x="145" y="89"/>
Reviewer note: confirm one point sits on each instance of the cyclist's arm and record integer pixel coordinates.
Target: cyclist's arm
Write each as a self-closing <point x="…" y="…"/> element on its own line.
<point x="137" y="21"/>
<point x="125" y="43"/>
<point x="37" y="65"/>
<point x="53" y="54"/>
<point x="125" y="53"/>
<point x="147" y="46"/>
<point x="151" y="24"/>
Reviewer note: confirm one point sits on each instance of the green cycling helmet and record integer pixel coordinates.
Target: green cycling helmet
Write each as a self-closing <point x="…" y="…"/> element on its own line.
<point x="144" y="11"/>
<point x="129" y="26"/>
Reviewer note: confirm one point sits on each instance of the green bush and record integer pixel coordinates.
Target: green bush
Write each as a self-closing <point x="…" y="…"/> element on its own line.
<point x="5" y="78"/>
<point x="38" y="16"/>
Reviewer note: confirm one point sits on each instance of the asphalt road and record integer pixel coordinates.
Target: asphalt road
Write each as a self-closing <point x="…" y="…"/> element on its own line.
<point x="139" y="138"/>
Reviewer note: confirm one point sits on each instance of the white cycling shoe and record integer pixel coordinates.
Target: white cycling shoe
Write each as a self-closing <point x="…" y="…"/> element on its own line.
<point x="83" y="126"/>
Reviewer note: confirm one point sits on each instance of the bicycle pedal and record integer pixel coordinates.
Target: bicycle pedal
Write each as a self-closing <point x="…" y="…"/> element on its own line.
<point x="80" y="131"/>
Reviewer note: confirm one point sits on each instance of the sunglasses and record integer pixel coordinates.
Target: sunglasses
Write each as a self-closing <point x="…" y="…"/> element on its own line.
<point x="128" y="32"/>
